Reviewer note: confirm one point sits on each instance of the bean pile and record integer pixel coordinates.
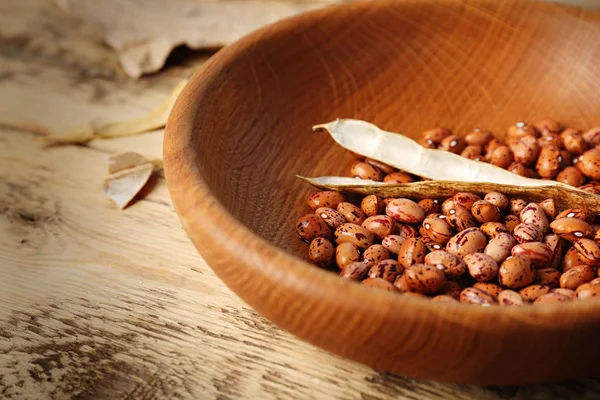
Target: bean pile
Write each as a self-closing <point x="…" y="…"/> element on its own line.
<point x="544" y="150"/>
<point x="487" y="251"/>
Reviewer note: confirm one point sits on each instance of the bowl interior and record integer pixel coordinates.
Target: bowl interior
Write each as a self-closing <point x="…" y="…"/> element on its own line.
<point x="403" y="65"/>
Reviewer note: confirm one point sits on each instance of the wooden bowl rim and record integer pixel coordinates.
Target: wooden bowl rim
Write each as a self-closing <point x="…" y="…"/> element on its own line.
<point x="191" y="193"/>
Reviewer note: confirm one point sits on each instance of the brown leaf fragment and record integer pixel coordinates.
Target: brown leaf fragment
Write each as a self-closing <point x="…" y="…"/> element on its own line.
<point x="121" y="187"/>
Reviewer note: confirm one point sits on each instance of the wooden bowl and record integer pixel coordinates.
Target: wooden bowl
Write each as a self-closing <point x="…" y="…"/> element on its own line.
<point x="241" y="130"/>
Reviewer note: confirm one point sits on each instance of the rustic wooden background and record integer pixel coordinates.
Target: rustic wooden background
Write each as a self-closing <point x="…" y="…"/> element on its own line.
<point x="101" y="303"/>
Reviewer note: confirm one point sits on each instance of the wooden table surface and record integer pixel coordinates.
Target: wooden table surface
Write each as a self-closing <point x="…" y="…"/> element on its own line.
<point x="101" y="303"/>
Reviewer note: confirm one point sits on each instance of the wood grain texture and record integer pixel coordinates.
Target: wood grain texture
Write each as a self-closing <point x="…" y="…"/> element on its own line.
<point x="405" y="66"/>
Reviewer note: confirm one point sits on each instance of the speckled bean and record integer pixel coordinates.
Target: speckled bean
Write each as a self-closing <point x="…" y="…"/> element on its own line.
<point x="352" y="213"/>
<point x="526" y="149"/>
<point x="525" y="232"/>
<point x="589" y="164"/>
<point x="491" y="229"/>
<point x="454" y="144"/>
<point x="469" y="241"/>
<point x="497" y="199"/>
<point x="331" y="217"/>
<point x="444" y="298"/>
<point x="465" y="199"/>
<point x="579" y="213"/>
<point x="436" y="135"/>
<point x="479" y="137"/>
<point x="570" y="260"/>
<point x="393" y="243"/>
<point x="548" y="276"/>
<point x="451" y="265"/>
<point x="491" y="288"/>
<point x="477" y="297"/>
<point x="386" y="269"/>
<point x="532" y="292"/>
<point x="363" y="170"/>
<point x="484" y="211"/>
<point x="516" y="272"/>
<point x="548" y="163"/>
<point x="549" y="207"/>
<point x="576" y="277"/>
<point x="534" y="214"/>
<point x="509" y="298"/>
<point x="588" y="250"/>
<point x="481" y="267"/>
<point x="325" y="198"/>
<point x="451" y="289"/>
<point x="321" y="251"/>
<point x="412" y="252"/>
<point x="346" y="253"/>
<point x="405" y="211"/>
<point x="311" y="226"/>
<point x="571" y="176"/>
<point x="383" y="167"/>
<point x="356" y="271"/>
<point x="437" y="229"/>
<point x="502" y="156"/>
<point x="398" y="177"/>
<point x="556" y="246"/>
<point x="516" y="206"/>
<point x="424" y="279"/>
<point x="571" y="229"/>
<point x="354" y="234"/>
<point x="500" y="246"/>
<point x="538" y="253"/>
<point x="380" y="225"/>
<point x="430" y="206"/>
<point x="379" y="283"/>
<point x="552" y="297"/>
<point x="472" y="152"/>
<point x="588" y="291"/>
<point x="511" y="221"/>
<point x="460" y="218"/>
<point x="573" y="141"/>
<point x="372" y="205"/>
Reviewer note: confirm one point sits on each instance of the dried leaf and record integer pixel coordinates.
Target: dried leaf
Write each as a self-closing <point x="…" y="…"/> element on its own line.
<point x="565" y="197"/>
<point x="121" y="161"/>
<point x="145" y="32"/>
<point x="155" y="119"/>
<point x="404" y="153"/>
<point x="129" y="173"/>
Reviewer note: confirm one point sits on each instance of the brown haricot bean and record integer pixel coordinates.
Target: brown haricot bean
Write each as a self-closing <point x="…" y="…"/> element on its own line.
<point x="479" y="137"/>
<point x="326" y="198"/>
<point x="490" y="148"/>
<point x="526" y="150"/>
<point x="565" y="159"/>
<point x="578" y="213"/>
<point x="352" y="213"/>
<point x="398" y="177"/>
<point x="552" y="139"/>
<point x="571" y="229"/>
<point x="516" y="272"/>
<point x="511" y="221"/>
<point x="331" y="217"/>
<point x="532" y="292"/>
<point x="380" y="225"/>
<point x="548" y="126"/>
<point x="436" y="135"/>
<point x="465" y="200"/>
<point x="472" y="152"/>
<point x="497" y="199"/>
<point x="500" y="246"/>
<point x="355" y="271"/>
<point x="437" y="229"/>
<point x="444" y="298"/>
<point x="573" y="141"/>
<point x="454" y="144"/>
<point x="379" y="283"/>
<point x="427" y="143"/>
<point x="386" y="169"/>
<point x="589" y="164"/>
<point x="430" y="206"/>
<point x="430" y="245"/>
<point x="406" y="231"/>
<point x="364" y="170"/>
<point x="491" y="288"/>
<point x="571" y="176"/>
<point x="311" y="226"/>
<point x="492" y="229"/>
<point x="424" y="279"/>
<point x="521" y="129"/>
<point x="354" y="234"/>
<point x="525" y="232"/>
<point x="571" y="259"/>
<point x="374" y="254"/>
<point x="411" y="252"/>
<point x="372" y="205"/>
<point x="447" y="205"/>
<point x="576" y="277"/>
<point x="484" y="211"/>
<point x="386" y="269"/>
<point x="519" y="169"/>
<point x="345" y="254"/>
<point x="510" y="298"/>
<point x="481" y="267"/>
<point x="469" y="241"/>
<point x="552" y="297"/>
<point x="548" y="276"/>
<point x="548" y="163"/>
<point x="478" y="297"/>
<point x="539" y="253"/>
<point x="588" y="250"/>
<point x="549" y="207"/>
<point x="393" y="243"/>
<point x="405" y="211"/>
<point x="534" y="214"/>
<point x="446" y="262"/>
<point x="516" y="206"/>
<point x="321" y="251"/>
<point x="588" y="291"/>
<point x="460" y="218"/>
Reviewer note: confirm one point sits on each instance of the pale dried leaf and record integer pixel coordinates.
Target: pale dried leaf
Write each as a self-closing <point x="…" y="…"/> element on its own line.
<point x="565" y="197"/>
<point x="121" y="187"/>
<point x="145" y="32"/>
<point x="121" y="161"/>
<point x="155" y="119"/>
<point x="404" y="153"/>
